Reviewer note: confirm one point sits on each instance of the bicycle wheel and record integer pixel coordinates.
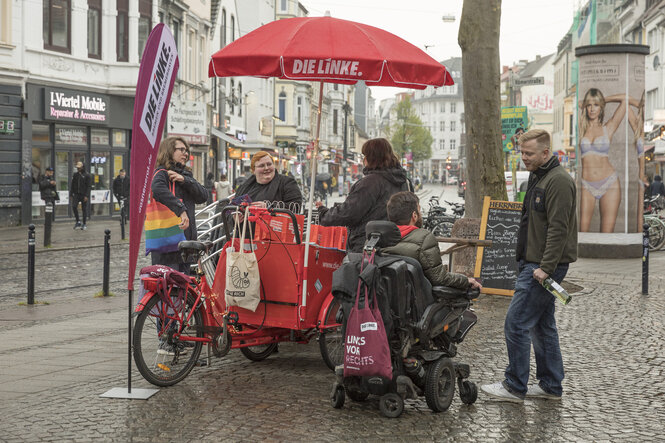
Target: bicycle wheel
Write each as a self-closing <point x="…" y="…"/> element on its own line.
<point x="331" y="342"/>
<point x="442" y="229"/>
<point x="162" y="359"/>
<point x="258" y="352"/>
<point x="656" y="232"/>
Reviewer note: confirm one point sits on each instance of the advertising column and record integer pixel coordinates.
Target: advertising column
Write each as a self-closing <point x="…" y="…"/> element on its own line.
<point x="610" y="149"/>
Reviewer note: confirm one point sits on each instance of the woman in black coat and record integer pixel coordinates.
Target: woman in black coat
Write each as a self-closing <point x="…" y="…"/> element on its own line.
<point x="367" y="199"/>
<point x="266" y="185"/>
<point x="171" y="160"/>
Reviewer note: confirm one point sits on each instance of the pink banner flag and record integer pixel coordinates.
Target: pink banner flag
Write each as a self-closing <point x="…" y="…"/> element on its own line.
<point x="153" y="93"/>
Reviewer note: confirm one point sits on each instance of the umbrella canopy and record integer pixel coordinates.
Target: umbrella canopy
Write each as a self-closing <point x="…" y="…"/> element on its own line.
<point x="330" y="50"/>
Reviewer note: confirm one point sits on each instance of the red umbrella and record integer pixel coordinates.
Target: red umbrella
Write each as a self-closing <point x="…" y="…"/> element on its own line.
<point x="329" y="50"/>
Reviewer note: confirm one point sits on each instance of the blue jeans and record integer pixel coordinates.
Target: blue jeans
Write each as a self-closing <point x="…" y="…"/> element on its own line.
<point x="530" y="319"/>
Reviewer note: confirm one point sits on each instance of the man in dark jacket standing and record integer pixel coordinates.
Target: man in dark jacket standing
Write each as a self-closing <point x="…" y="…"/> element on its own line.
<point x="404" y="210"/>
<point x="121" y="192"/>
<point x="79" y="192"/>
<point x="546" y="244"/>
<point x="47" y="189"/>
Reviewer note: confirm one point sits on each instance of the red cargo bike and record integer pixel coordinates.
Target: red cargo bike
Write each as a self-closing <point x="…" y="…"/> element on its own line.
<point x="177" y="316"/>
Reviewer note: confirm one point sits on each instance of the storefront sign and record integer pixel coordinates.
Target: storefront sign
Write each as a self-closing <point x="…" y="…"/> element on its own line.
<point x="71" y="136"/>
<point x="235" y="153"/>
<point x="187" y="119"/>
<point x="65" y="105"/>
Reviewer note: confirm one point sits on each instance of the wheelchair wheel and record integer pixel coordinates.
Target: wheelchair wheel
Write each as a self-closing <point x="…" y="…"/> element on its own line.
<point x="391" y="405"/>
<point x="468" y="392"/>
<point x="258" y="353"/>
<point x="440" y="384"/>
<point x="337" y="397"/>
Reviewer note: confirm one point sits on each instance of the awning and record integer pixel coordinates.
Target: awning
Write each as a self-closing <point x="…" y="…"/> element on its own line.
<point x="235" y="142"/>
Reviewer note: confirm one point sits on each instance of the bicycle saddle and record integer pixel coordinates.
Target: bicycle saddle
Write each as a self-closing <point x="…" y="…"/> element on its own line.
<point x="194" y="246"/>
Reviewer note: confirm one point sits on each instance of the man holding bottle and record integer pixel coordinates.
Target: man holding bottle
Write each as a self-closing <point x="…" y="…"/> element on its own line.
<point x="546" y="244"/>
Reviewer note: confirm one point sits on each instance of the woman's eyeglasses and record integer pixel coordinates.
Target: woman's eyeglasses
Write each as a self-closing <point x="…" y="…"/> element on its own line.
<point x="182" y="150"/>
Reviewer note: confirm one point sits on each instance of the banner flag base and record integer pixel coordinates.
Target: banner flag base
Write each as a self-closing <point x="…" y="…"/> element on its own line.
<point x="134" y="394"/>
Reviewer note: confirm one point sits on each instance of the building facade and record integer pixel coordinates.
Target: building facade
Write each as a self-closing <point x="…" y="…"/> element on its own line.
<point x="73" y="79"/>
<point x="442" y="112"/>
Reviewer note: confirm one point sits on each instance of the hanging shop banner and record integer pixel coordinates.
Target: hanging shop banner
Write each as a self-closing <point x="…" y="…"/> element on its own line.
<point x="153" y="92"/>
<point x="610" y="115"/>
<point x="66" y="105"/>
<point x="512" y="119"/>
<point x="187" y="119"/>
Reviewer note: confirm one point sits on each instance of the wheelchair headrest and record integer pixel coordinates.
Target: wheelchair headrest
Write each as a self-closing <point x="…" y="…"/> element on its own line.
<point x="387" y="231"/>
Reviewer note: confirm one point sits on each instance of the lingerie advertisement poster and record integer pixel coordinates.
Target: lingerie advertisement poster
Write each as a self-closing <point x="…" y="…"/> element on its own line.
<point x="610" y="135"/>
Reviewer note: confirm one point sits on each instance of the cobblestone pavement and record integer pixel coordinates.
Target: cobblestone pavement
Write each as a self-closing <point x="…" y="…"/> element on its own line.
<point x="57" y="359"/>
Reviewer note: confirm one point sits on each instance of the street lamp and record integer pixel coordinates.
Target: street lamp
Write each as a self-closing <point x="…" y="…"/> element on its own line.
<point x="346" y="108"/>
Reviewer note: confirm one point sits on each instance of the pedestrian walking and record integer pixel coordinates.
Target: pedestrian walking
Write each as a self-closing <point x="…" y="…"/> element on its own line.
<point x="546" y="245"/>
<point x="223" y="187"/>
<point x="79" y="192"/>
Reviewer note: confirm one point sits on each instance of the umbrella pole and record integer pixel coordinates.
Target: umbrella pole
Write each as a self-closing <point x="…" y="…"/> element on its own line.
<point x="311" y="198"/>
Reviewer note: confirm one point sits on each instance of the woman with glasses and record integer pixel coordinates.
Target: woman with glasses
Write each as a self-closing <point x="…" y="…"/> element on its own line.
<point x="171" y="171"/>
<point x="266" y="185"/>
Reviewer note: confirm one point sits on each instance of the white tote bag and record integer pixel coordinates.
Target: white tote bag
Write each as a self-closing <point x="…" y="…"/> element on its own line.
<point x="243" y="282"/>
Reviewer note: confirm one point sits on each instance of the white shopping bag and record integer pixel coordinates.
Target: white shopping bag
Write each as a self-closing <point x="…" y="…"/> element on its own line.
<point x="243" y="282"/>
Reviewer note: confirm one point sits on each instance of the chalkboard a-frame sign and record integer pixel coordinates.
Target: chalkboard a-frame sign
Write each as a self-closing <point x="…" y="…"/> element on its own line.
<point x="496" y="266"/>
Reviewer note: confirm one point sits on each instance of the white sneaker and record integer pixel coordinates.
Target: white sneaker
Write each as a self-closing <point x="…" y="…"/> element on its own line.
<point x="536" y="391"/>
<point x="497" y="392"/>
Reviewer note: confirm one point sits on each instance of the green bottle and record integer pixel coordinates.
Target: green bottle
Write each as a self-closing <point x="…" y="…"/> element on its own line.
<point x="555" y="289"/>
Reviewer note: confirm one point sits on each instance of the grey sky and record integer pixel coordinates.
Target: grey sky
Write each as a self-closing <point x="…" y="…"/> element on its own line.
<point x="528" y="27"/>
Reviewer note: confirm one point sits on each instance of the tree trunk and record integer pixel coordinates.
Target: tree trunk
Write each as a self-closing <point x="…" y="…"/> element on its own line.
<point x="479" y="39"/>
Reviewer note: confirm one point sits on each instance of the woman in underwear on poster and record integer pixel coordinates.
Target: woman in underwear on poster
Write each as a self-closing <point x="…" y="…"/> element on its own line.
<point x="636" y="121"/>
<point x="600" y="181"/>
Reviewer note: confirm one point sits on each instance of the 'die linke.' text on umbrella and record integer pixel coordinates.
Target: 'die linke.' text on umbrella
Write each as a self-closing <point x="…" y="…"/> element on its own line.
<point x="340" y="67"/>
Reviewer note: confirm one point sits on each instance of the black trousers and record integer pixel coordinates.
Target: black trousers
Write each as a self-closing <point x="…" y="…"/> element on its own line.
<point x="76" y="199"/>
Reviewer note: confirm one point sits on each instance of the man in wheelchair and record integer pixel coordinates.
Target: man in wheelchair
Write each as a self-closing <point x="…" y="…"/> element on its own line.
<point x="424" y="321"/>
<point x="418" y="243"/>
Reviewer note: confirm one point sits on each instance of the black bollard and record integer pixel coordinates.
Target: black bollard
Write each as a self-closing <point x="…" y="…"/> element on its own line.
<point x="645" y="259"/>
<point x="107" y="261"/>
<point x="31" y="264"/>
<point x="48" y="222"/>
<point x="122" y="223"/>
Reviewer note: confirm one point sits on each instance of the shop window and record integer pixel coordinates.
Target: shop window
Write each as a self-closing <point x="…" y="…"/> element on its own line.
<point x="40" y="133"/>
<point x="122" y="30"/>
<point x="99" y="136"/>
<point x="95" y="29"/>
<point x="119" y="138"/>
<point x="57" y="19"/>
<point x="71" y="135"/>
